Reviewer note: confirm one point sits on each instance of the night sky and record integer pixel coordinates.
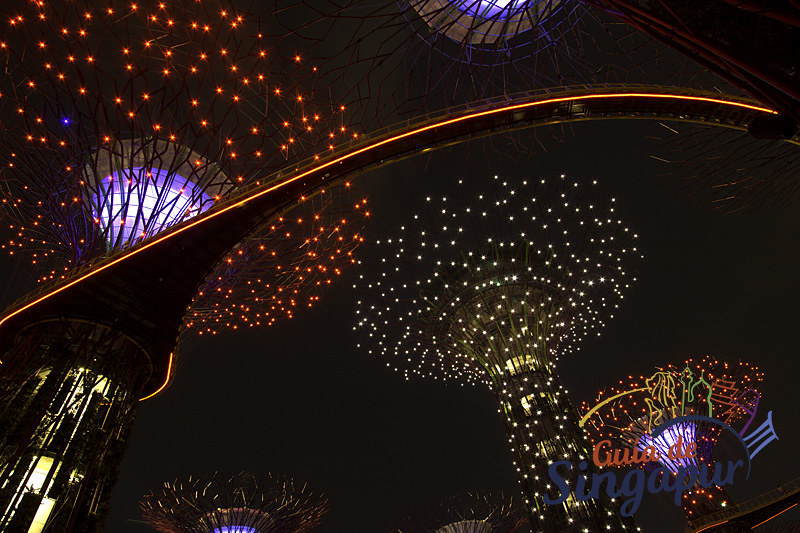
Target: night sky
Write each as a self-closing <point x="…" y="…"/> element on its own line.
<point x="299" y="399"/>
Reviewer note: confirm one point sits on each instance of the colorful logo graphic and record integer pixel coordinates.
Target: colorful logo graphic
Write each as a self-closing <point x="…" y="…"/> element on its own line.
<point x="667" y="426"/>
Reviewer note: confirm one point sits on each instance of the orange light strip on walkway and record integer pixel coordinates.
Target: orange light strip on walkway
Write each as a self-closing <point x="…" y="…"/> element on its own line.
<point x="166" y="380"/>
<point x="712" y="525"/>
<point x="392" y="139"/>
<point x="773" y="516"/>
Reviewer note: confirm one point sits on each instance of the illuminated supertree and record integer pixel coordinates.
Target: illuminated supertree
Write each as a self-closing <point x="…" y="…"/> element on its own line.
<point x="492" y="291"/>
<point x="120" y="121"/>
<point x="283" y="268"/>
<point x="243" y="503"/>
<point x="469" y="513"/>
<point x="424" y="56"/>
<point x="627" y="415"/>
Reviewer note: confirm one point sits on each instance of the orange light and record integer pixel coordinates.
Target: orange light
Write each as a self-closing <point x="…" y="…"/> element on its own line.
<point x="166" y="380"/>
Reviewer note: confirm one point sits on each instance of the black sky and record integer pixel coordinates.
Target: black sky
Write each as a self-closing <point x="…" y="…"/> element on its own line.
<point x="299" y="399"/>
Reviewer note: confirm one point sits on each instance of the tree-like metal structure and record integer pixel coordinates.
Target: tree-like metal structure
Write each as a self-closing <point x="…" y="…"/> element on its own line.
<point x="282" y="268"/>
<point x="467" y="513"/>
<point x="120" y="121"/>
<point x="492" y="290"/>
<point x="422" y="56"/>
<point x="411" y="57"/>
<point x="243" y="503"/>
<point x="627" y="415"/>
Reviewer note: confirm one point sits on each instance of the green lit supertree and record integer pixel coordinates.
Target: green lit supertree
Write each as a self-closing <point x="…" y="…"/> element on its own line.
<point x="493" y="290"/>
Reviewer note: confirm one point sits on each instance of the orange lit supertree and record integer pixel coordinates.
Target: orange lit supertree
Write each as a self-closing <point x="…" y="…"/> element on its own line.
<point x="627" y="415"/>
<point x="243" y="503"/>
<point x="411" y="57"/>
<point x="467" y="513"/>
<point x="119" y="121"/>
<point x="122" y="121"/>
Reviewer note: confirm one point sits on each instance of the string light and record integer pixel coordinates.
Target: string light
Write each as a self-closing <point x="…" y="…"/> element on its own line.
<point x="134" y="132"/>
<point x="492" y="290"/>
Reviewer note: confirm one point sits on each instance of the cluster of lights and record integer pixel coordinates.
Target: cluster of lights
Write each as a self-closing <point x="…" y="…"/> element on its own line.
<point x="492" y="290"/>
<point x="242" y="503"/>
<point x="281" y="270"/>
<point x="123" y="120"/>
<point x="625" y="416"/>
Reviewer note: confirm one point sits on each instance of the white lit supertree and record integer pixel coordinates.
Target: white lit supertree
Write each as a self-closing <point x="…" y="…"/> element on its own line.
<point x="492" y="290"/>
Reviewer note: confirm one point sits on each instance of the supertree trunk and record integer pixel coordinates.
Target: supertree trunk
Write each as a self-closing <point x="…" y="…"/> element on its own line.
<point x="68" y="393"/>
<point x="542" y="428"/>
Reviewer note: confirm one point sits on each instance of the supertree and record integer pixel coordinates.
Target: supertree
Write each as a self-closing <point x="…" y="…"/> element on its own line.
<point x="628" y="414"/>
<point x="243" y="503"/>
<point x="467" y="513"/>
<point x="121" y="121"/>
<point x="422" y="56"/>
<point x="493" y="290"/>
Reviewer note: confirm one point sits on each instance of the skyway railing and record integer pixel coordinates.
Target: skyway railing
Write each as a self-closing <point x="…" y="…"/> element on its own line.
<point x="721" y="517"/>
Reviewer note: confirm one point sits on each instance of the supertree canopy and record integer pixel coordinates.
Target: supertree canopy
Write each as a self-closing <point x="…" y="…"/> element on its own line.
<point x="282" y="269"/>
<point x="122" y="119"/>
<point x="627" y="415"/>
<point x="243" y="503"/>
<point x="423" y="56"/>
<point x="493" y="290"/>
<point x="468" y="513"/>
<point x="746" y="42"/>
<point x="412" y="57"/>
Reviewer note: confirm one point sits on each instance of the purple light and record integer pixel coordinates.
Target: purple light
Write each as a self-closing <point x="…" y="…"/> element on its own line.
<point x="487" y="9"/>
<point x="136" y="203"/>
<point x="234" y="529"/>
<point x="662" y="444"/>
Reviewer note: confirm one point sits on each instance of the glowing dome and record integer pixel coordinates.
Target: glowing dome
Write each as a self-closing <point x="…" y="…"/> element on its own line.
<point x="502" y="9"/>
<point x="138" y="188"/>
<point x="484" y="22"/>
<point x="234" y="529"/>
<point x="662" y="444"/>
<point x="467" y="526"/>
<point x="139" y="202"/>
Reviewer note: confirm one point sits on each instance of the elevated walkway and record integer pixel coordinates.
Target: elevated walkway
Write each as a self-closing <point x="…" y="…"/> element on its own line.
<point x="144" y="290"/>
